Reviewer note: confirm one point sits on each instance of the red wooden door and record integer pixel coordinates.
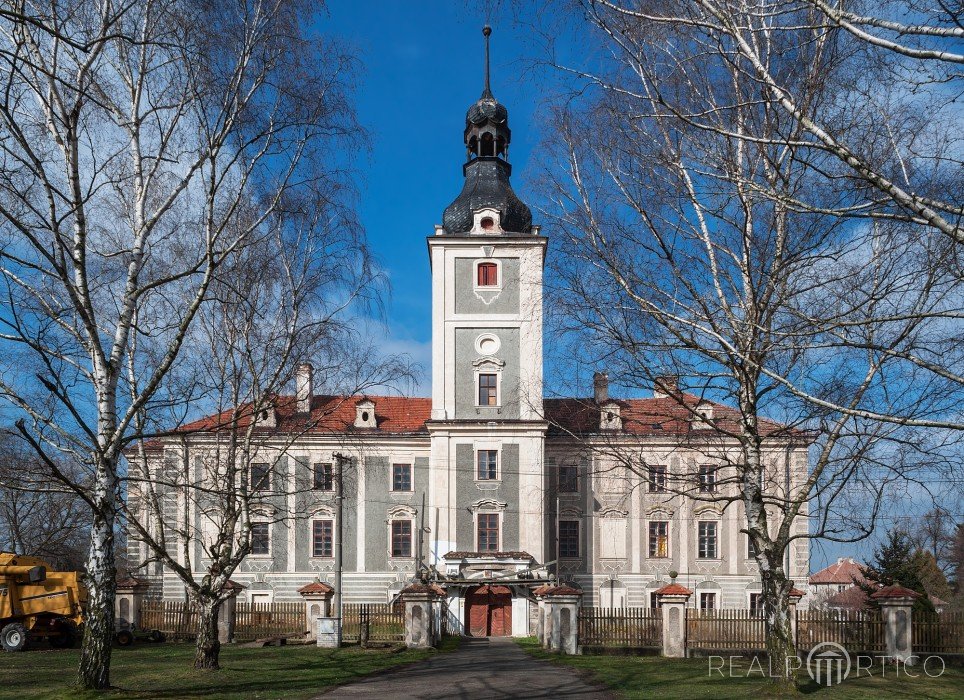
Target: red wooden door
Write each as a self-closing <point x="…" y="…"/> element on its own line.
<point x="488" y="611"/>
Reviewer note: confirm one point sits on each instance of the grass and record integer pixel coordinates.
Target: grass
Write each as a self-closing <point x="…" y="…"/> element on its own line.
<point x="668" y="679"/>
<point x="164" y="671"/>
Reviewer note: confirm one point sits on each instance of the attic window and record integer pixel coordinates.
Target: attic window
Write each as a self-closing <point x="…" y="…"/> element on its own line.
<point x="364" y="416"/>
<point x="488" y="223"/>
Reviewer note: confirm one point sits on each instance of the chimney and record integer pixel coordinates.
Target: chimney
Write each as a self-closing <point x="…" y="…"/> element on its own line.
<point x="304" y="387"/>
<point x="665" y="385"/>
<point x="600" y="387"/>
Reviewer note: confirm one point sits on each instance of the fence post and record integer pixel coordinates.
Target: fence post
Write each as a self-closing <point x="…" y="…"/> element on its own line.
<point x="896" y="604"/>
<point x="130" y="596"/>
<point x="541" y="631"/>
<point x="419" y="601"/>
<point x="227" y="615"/>
<point x="795" y="595"/>
<point x="672" y="599"/>
<point x="562" y="603"/>
<point x="317" y="597"/>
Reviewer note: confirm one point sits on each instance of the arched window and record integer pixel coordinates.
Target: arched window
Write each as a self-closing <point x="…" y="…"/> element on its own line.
<point x="488" y="274"/>
<point x="488" y="145"/>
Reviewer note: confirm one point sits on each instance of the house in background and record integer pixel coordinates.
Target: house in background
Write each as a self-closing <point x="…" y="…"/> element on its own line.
<point x="833" y="580"/>
<point x="488" y="486"/>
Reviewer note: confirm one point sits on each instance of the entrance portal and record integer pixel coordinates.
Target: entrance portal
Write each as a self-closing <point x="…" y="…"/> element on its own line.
<point x="488" y="611"/>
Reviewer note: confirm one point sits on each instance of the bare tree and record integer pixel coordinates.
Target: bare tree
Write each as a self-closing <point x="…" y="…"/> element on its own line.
<point x="143" y="144"/>
<point x="283" y="303"/>
<point x="707" y="234"/>
<point x="39" y="517"/>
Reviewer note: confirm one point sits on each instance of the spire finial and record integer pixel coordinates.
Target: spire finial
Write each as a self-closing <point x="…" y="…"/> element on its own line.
<point x="486" y="32"/>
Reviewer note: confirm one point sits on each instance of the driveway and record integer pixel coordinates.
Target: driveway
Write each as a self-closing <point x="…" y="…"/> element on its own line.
<point x="480" y="668"/>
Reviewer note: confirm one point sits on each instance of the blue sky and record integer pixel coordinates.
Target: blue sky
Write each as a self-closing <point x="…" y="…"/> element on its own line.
<point x="422" y="68"/>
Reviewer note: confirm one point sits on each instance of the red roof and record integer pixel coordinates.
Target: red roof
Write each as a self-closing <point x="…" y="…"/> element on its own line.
<point x="562" y="590"/>
<point x="845" y="571"/>
<point x="852" y="598"/>
<point x="674" y="589"/>
<point x="566" y="416"/>
<point x="424" y="588"/>
<point x="316" y="588"/>
<point x="894" y="592"/>
<point x="796" y="593"/>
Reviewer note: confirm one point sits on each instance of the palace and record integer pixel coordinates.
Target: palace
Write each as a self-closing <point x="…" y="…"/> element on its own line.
<point x="488" y="487"/>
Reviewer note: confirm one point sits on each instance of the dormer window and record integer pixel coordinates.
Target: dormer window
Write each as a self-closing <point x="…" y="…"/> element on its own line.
<point x="365" y="414"/>
<point x="703" y="415"/>
<point x="609" y="416"/>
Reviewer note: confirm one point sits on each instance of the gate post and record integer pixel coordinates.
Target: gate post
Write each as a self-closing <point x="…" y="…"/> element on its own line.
<point x="896" y="605"/>
<point x="317" y="597"/>
<point x="672" y="599"/>
<point x="541" y="626"/>
<point x="227" y="615"/>
<point x="420" y="607"/>
<point x="563" y="606"/>
<point x="127" y="602"/>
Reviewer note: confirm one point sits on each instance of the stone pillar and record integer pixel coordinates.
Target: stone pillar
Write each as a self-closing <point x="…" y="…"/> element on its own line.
<point x="127" y="601"/>
<point x="794" y="598"/>
<point x="896" y="603"/>
<point x="672" y="599"/>
<point x="540" y="596"/>
<point x="317" y="597"/>
<point x="562" y="603"/>
<point x="420" y="599"/>
<point x="227" y="615"/>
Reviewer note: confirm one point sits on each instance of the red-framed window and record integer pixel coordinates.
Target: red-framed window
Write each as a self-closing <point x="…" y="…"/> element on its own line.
<point x="488" y="274"/>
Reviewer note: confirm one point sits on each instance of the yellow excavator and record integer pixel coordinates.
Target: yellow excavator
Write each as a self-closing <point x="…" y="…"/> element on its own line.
<point x="36" y="603"/>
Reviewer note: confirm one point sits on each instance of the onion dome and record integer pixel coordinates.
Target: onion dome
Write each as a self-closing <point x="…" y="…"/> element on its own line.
<point x="487" y="170"/>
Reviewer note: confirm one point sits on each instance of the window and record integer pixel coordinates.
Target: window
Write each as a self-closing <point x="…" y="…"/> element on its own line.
<point x="658" y="539"/>
<point x="657" y="479"/>
<point x="750" y="548"/>
<point x="569" y="539"/>
<point x="260" y="539"/>
<point x="654" y="599"/>
<point x="707" y="601"/>
<point x="707" y="540"/>
<point x="488" y="390"/>
<point x="324" y="477"/>
<point x="401" y="477"/>
<point x="260" y="476"/>
<point x="488" y="524"/>
<point x="707" y="478"/>
<point x="568" y="478"/>
<point x="756" y="603"/>
<point x="401" y="538"/>
<point x="488" y="274"/>
<point x="488" y="462"/>
<point x="322" y="538"/>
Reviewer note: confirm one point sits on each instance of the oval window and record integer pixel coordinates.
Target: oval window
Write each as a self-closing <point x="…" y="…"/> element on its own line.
<point x="364" y="416"/>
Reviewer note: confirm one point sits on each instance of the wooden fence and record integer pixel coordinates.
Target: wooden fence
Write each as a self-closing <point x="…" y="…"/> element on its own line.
<point x="373" y="622"/>
<point x="175" y="618"/>
<point x="178" y="620"/>
<point x="938" y="633"/>
<point x="621" y="627"/>
<point x="854" y="630"/>
<point x="725" y="629"/>
<point x="260" y="620"/>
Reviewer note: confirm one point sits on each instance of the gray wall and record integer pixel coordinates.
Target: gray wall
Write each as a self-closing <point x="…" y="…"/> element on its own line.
<point x="379" y="499"/>
<point x="465" y="388"/>
<point x="467" y="492"/>
<point x="466" y="301"/>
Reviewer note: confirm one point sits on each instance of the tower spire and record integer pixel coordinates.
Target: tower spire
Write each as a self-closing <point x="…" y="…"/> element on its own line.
<point x="486" y="32"/>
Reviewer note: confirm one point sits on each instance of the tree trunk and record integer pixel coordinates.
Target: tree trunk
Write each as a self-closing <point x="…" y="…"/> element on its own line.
<point x="208" y="648"/>
<point x="780" y="644"/>
<point x="94" y="669"/>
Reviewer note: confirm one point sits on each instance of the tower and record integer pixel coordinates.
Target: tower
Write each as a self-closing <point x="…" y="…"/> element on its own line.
<point x="487" y="428"/>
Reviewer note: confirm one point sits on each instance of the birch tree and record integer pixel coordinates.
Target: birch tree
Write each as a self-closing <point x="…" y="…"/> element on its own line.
<point x="143" y="144"/>
<point x="708" y="233"/>
<point x="286" y="301"/>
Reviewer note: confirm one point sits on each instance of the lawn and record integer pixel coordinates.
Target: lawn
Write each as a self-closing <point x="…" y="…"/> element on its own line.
<point x="164" y="671"/>
<point x="667" y="679"/>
